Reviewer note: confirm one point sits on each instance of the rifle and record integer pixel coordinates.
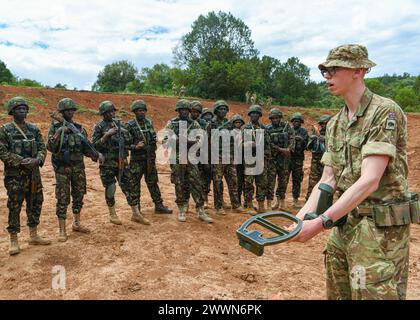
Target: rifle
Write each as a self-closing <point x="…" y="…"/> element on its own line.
<point x="149" y="163"/>
<point x="58" y="117"/>
<point x="32" y="180"/>
<point x="121" y="147"/>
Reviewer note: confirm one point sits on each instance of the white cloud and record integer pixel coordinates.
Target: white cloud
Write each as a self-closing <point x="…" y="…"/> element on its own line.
<point x="82" y="37"/>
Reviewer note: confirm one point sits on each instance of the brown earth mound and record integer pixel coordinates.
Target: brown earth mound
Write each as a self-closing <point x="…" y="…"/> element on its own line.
<point x="167" y="260"/>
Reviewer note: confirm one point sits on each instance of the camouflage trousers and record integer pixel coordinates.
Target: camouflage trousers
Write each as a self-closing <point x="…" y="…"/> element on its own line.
<point x="295" y="166"/>
<point x="240" y="173"/>
<point x="187" y="177"/>
<point x="229" y="172"/>
<point x="19" y="189"/>
<point x="70" y="181"/>
<point x="364" y="261"/>
<point x="138" y="170"/>
<point x="276" y="171"/>
<point x="316" y="172"/>
<point x="109" y="177"/>
<point x="205" y="180"/>
<point x="260" y="183"/>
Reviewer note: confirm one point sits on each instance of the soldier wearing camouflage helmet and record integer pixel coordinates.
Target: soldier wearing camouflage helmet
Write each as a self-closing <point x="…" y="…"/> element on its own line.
<point x="184" y="174"/>
<point x="106" y="139"/>
<point x="365" y="162"/>
<point x="222" y="126"/>
<point x="204" y="168"/>
<point x="261" y="184"/>
<point x="68" y="150"/>
<point x="143" y="155"/>
<point x="23" y="152"/>
<point x="297" y="157"/>
<point x="237" y="124"/>
<point x="282" y="139"/>
<point x="316" y="145"/>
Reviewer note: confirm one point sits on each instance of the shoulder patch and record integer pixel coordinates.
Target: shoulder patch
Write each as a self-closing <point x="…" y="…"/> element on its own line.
<point x="391" y="124"/>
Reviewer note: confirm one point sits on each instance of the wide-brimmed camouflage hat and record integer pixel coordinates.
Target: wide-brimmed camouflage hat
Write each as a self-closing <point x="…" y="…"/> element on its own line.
<point x="351" y="56"/>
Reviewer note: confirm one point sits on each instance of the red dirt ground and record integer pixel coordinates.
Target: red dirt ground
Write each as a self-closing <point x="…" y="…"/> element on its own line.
<point x="167" y="260"/>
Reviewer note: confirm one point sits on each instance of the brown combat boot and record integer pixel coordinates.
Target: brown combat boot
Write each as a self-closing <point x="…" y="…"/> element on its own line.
<point x="14" y="244"/>
<point x="261" y="207"/>
<point x="250" y="208"/>
<point x="182" y="213"/>
<point x="35" y="239"/>
<point x="76" y="224"/>
<point x="202" y="215"/>
<point x="239" y="209"/>
<point x="282" y="204"/>
<point x="62" y="236"/>
<point x="138" y="217"/>
<point x="113" y="218"/>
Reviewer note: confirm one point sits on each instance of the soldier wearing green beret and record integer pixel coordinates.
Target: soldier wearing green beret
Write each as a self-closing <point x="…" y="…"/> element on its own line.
<point x="316" y="145"/>
<point x="106" y="138"/>
<point x="68" y="149"/>
<point x="365" y="162"/>
<point x="23" y="152"/>
<point x="143" y="155"/>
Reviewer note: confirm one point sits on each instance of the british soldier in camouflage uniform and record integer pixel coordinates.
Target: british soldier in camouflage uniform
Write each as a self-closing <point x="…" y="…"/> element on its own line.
<point x="282" y="138"/>
<point x="68" y="149"/>
<point x="143" y="155"/>
<point x="105" y="138"/>
<point x="23" y="152"/>
<point x="367" y="256"/>
<point x="185" y="174"/>
<point x="316" y="145"/>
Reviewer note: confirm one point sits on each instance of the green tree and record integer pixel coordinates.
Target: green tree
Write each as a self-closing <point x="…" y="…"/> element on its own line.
<point x="215" y="44"/>
<point x="157" y="79"/>
<point x="60" y="86"/>
<point x="115" y="77"/>
<point x="6" y="75"/>
<point x="376" y="86"/>
<point x="407" y="98"/>
<point x="416" y="86"/>
<point x="29" y="83"/>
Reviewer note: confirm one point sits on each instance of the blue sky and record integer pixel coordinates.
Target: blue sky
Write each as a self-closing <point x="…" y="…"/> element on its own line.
<point x="71" y="41"/>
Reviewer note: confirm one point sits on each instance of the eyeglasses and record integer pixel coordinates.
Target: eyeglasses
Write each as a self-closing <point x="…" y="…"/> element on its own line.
<point x="331" y="71"/>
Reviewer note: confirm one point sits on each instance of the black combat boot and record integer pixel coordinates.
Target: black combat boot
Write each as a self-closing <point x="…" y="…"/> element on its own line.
<point x="160" y="208"/>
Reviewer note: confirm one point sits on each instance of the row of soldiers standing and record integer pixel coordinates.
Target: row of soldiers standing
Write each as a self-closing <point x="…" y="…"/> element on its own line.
<point x="283" y="155"/>
<point x="23" y="152"/>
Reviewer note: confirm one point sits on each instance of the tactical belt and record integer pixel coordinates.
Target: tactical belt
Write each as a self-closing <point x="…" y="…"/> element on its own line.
<point x="393" y="214"/>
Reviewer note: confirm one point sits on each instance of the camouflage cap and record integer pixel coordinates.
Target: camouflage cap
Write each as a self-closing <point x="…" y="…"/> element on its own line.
<point x="106" y="106"/>
<point x="66" y="104"/>
<point x="16" y="102"/>
<point x="324" y="118"/>
<point x="275" y="112"/>
<point x="218" y="104"/>
<point x="297" y="116"/>
<point x="255" y="108"/>
<point x="196" y="105"/>
<point x="138" y="104"/>
<point x="183" y="104"/>
<point x="206" y="110"/>
<point x="348" y="56"/>
<point x="237" y="117"/>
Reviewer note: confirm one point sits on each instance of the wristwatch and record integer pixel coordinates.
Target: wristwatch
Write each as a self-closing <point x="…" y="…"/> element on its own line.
<point x="327" y="222"/>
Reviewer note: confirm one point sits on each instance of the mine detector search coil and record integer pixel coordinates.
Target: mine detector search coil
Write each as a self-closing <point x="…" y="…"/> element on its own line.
<point x="253" y="241"/>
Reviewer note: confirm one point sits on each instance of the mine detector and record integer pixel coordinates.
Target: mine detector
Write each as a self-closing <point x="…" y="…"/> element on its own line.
<point x="254" y="241"/>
